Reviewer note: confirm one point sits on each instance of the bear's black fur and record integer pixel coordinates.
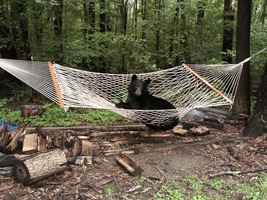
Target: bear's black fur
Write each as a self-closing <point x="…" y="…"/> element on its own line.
<point x="139" y="98"/>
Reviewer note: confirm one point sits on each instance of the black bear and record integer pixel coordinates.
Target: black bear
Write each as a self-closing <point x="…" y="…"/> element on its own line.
<point x="139" y="98"/>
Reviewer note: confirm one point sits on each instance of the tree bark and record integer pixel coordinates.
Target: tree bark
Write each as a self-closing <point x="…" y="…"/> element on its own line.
<point x="124" y="15"/>
<point x="89" y="16"/>
<point x="102" y="16"/>
<point x="58" y="28"/>
<point x="228" y="31"/>
<point x="184" y="37"/>
<point x="258" y="122"/>
<point x="158" y="7"/>
<point x="136" y="19"/>
<point x="200" y="11"/>
<point x="144" y="18"/>
<point x="242" y="103"/>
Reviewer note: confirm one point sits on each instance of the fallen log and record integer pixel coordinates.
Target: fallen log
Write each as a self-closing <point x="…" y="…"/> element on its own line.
<point x="129" y="165"/>
<point x="87" y="130"/>
<point x="40" y="166"/>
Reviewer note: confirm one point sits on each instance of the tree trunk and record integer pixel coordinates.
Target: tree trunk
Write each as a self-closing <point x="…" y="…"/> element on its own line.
<point x="144" y="18"/>
<point x="102" y="16"/>
<point x="90" y="28"/>
<point x="201" y="5"/>
<point x="242" y="103"/>
<point x="89" y="16"/>
<point x="258" y="123"/>
<point x="228" y="31"/>
<point x="184" y="36"/>
<point x="124" y="16"/>
<point x="264" y="12"/>
<point x="200" y="11"/>
<point x="58" y="28"/>
<point x="135" y="19"/>
<point x="158" y="24"/>
<point x="124" y="23"/>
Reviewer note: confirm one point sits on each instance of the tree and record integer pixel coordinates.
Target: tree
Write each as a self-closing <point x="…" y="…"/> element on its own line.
<point x="200" y="11"/>
<point x="89" y="16"/>
<point x="228" y="30"/>
<point x="144" y="18"/>
<point x="258" y="122"/>
<point x="58" y="28"/>
<point x="158" y="7"/>
<point x="184" y="36"/>
<point x="124" y="16"/>
<point x="242" y="103"/>
<point x="102" y="16"/>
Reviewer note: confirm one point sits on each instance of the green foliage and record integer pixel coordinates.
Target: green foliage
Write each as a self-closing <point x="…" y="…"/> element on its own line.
<point x="217" y="184"/>
<point x="255" y="191"/>
<point x="195" y="184"/>
<point x="192" y="188"/>
<point x="170" y="192"/>
<point x="55" y="116"/>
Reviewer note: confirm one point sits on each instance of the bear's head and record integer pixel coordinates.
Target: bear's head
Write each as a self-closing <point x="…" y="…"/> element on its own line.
<point x="138" y="87"/>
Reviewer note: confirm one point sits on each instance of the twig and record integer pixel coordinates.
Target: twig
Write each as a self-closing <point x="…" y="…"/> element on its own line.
<point x="235" y="173"/>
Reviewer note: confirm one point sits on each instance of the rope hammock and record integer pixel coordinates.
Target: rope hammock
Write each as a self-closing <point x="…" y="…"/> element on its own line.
<point x="186" y="87"/>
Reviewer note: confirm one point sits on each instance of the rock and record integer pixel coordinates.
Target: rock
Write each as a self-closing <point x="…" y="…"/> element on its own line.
<point x="199" y="131"/>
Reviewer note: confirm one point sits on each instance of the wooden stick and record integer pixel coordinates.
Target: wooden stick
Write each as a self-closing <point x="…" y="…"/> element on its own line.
<point x="207" y="83"/>
<point x="129" y="165"/>
<point x="57" y="89"/>
<point x="235" y="173"/>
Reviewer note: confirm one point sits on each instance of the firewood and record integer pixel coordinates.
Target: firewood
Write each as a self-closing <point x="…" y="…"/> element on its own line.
<point x="40" y="166"/>
<point x="30" y="143"/>
<point x="129" y="165"/>
<point x="87" y="148"/>
<point x="88" y="130"/>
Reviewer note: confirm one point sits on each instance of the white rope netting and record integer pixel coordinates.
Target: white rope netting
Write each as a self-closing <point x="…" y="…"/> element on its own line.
<point x="187" y="87"/>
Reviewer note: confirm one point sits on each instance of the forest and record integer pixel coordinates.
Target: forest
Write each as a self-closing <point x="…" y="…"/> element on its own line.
<point x="143" y="36"/>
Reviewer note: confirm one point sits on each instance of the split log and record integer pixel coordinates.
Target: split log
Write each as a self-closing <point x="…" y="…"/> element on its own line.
<point x="129" y="165"/>
<point x="30" y="143"/>
<point x="40" y="166"/>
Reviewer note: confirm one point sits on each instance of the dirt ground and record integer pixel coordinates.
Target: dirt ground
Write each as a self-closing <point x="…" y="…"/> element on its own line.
<point x="214" y="155"/>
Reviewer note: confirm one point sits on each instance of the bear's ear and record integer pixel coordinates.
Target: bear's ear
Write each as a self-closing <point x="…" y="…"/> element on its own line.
<point x="148" y="81"/>
<point x="134" y="77"/>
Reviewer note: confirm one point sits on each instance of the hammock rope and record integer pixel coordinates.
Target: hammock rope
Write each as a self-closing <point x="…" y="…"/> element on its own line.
<point x="187" y="87"/>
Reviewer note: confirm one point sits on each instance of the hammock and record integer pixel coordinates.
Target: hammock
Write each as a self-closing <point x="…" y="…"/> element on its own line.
<point x="187" y="87"/>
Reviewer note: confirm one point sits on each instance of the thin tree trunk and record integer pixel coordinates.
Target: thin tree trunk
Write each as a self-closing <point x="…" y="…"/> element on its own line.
<point x="124" y="15"/>
<point x="102" y="16"/>
<point x="144" y="18"/>
<point x="242" y="103"/>
<point x="264" y="12"/>
<point x="228" y="31"/>
<point x="135" y="19"/>
<point x="258" y="122"/>
<point x="201" y="5"/>
<point x="184" y="36"/>
<point x="89" y="16"/>
<point x="158" y="14"/>
<point x="200" y="11"/>
<point x="58" y="28"/>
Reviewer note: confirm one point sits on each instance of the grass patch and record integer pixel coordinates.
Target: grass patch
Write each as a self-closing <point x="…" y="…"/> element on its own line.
<point x="55" y="116"/>
<point x="192" y="188"/>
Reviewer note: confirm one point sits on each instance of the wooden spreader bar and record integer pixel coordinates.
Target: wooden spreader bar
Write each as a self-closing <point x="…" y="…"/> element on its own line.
<point x="207" y="83"/>
<point x="58" y="93"/>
